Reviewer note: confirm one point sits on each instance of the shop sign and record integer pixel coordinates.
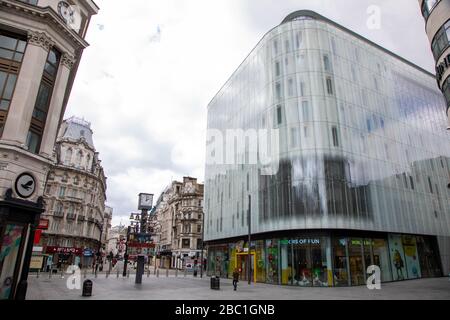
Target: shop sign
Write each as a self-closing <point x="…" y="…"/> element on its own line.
<point x="64" y="250"/>
<point x="88" y="253"/>
<point x="38" y="249"/>
<point x="140" y="245"/>
<point x="36" y="262"/>
<point x="43" y="224"/>
<point x="300" y="241"/>
<point x="37" y="236"/>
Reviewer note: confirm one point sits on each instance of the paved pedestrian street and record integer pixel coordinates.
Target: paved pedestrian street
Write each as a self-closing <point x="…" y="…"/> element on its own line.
<point x="189" y="288"/>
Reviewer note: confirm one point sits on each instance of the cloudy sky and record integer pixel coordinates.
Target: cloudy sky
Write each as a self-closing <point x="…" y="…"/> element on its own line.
<point x="153" y="66"/>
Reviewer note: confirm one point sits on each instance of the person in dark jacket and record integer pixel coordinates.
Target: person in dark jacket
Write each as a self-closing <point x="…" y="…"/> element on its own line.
<point x="236" y="275"/>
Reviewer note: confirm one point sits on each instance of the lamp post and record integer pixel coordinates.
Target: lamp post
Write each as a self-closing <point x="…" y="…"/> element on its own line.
<point x="203" y="244"/>
<point x="125" y="264"/>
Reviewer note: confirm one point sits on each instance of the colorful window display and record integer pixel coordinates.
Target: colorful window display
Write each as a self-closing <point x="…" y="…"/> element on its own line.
<point x="340" y="275"/>
<point x="411" y="257"/>
<point x="11" y="241"/>
<point x="322" y="261"/>
<point x="272" y="261"/>
<point x="397" y="257"/>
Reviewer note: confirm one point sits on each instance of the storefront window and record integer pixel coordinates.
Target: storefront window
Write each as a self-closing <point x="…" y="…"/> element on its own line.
<point x="427" y="258"/>
<point x="381" y="258"/>
<point x="272" y="261"/>
<point x="260" y="261"/>
<point x="356" y="263"/>
<point x="340" y="262"/>
<point x="10" y="246"/>
<point x="397" y="256"/>
<point x="286" y="265"/>
<point x="411" y="257"/>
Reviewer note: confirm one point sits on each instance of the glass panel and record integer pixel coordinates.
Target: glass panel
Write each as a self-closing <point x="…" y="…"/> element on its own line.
<point x="52" y="57"/>
<point x="397" y="257"/>
<point x="33" y="141"/>
<point x="6" y="54"/>
<point x="18" y="57"/>
<point x="260" y="261"/>
<point x="11" y="241"/>
<point x="21" y="46"/>
<point x="356" y="263"/>
<point x="50" y="69"/>
<point x="381" y="258"/>
<point x="272" y="261"/>
<point x="43" y="97"/>
<point x="286" y="268"/>
<point x="8" y="42"/>
<point x="427" y="257"/>
<point x="10" y="83"/>
<point x="340" y="262"/>
<point x="4" y="105"/>
<point x="319" y="261"/>
<point x="302" y="264"/>
<point x="3" y="76"/>
<point x="411" y="257"/>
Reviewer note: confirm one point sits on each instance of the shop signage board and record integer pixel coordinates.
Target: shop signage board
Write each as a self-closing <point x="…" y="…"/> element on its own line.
<point x="43" y="224"/>
<point x="36" y="262"/>
<point x="63" y="250"/>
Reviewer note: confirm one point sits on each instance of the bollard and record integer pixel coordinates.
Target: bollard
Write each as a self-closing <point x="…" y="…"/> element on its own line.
<point x="176" y="272"/>
<point x="96" y="273"/>
<point x="128" y="273"/>
<point x="117" y="273"/>
<point x="50" y="274"/>
<point x="85" y="273"/>
<point x="148" y="272"/>
<point x="154" y="270"/>
<point x="167" y="273"/>
<point x="185" y="272"/>
<point x="62" y="274"/>
<point x="107" y="274"/>
<point x="157" y="273"/>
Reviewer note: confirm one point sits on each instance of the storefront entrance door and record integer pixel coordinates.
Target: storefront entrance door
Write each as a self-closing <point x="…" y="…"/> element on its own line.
<point x="242" y="265"/>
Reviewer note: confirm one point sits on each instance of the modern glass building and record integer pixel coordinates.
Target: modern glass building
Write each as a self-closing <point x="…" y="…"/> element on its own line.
<point x="361" y="158"/>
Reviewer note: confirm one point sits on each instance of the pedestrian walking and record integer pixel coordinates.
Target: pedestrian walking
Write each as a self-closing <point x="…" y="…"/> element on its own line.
<point x="236" y="275"/>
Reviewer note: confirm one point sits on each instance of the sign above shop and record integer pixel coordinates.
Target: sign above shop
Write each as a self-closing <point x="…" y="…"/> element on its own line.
<point x="300" y="241"/>
<point x="43" y="224"/>
<point x="62" y="250"/>
<point x="25" y="185"/>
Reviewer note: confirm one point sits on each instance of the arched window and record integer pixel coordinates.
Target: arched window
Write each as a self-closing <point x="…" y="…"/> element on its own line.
<point x="68" y="157"/>
<point x="88" y="162"/>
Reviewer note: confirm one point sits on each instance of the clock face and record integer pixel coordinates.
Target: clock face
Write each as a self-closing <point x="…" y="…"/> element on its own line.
<point x="66" y="12"/>
<point x="145" y="201"/>
<point x="25" y="185"/>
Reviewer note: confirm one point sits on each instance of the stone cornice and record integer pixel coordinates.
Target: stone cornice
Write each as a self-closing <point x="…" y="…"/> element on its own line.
<point x="68" y="60"/>
<point x="40" y="39"/>
<point x="46" y="15"/>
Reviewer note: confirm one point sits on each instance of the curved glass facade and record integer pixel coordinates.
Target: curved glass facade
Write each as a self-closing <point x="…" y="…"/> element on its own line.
<point x="361" y="139"/>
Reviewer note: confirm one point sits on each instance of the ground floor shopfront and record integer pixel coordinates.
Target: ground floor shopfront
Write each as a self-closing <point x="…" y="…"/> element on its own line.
<point x="325" y="259"/>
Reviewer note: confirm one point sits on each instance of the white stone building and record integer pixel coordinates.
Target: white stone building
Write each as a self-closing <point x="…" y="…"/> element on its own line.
<point x="41" y="43"/>
<point x="75" y="196"/>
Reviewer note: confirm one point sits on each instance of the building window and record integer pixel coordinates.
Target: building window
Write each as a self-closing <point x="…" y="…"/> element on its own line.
<point x="279" y="115"/>
<point x="290" y="87"/>
<point x="199" y="228"/>
<point x="441" y="40"/>
<point x="294" y="137"/>
<point x="68" y="157"/>
<point x="62" y="191"/>
<point x="335" y="136"/>
<point x="277" y="69"/>
<point x="43" y="101"/>
<point x="298" y="39"/>
<point x="278" y="91"/>
<point x="186" y="243"/>
<point x="326" y="63"/>
<point x="428" y="6"/>
<point x="12" y="49"/>
<point x="305" y="111"/>
<point x="302" y="89"/>
<point x="446" y="90"/>
<point x="430" y="184"/>
<point x="329" y="86"/>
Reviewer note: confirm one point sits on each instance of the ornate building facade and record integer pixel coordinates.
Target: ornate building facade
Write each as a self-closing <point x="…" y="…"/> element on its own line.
<point x="75" y="197"/>
<point x="179" y="214"/>
<point x="41" y="43"/>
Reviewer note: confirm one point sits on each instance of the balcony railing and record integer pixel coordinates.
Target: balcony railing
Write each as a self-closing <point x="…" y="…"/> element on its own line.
<point x="71" y="216"/>
<point x="81" y="218"/>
